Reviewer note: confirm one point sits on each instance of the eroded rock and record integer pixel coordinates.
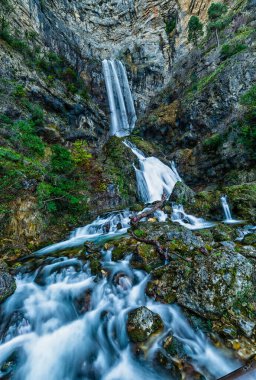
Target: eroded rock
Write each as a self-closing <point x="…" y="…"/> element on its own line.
<point x="142" y="323"/>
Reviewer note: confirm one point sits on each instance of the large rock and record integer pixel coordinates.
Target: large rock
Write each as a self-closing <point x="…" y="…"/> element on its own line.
<point x="215" y="283"/>
<point x="142" y="323"/>
<point x="7" y="282"/>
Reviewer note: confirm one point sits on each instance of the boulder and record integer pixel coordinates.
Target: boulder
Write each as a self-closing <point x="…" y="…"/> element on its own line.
<point x="142" y="323"/>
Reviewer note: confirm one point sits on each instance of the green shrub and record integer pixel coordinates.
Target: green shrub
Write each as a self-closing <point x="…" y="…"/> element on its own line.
<point x="247" y="126"/>
<point x="213" y="142"/>
<point x="61" y="160"/>
<point x="195" y="29"/>
<point x="80" y="154"/>
<point x="170" y="25"/>
<point x="216" y="10"/>
<point x="19" y="91"/>
<point x="228" y="50"/>
<point x="30" y="142"/>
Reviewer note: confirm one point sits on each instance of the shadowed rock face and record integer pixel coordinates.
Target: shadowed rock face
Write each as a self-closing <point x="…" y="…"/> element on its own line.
<point x="86" y="32"/>
<point x="7" y="282"/>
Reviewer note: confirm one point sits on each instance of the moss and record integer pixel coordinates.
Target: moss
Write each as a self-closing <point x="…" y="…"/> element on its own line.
<point x="213" y="142"/>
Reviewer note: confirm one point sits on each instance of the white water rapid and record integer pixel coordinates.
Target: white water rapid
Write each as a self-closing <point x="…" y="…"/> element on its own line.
<point x="103" y="228"/>
<point x="189" y="221"/>
<point x="62" y="324"/>
<point x="121" y="105"/>
<point x="154" y="178"/>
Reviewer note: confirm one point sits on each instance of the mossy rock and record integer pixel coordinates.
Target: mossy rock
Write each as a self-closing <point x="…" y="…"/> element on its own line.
<point x="146" y="258"/>
<point x="142" y="323"/>
<point x="123" y="247"/>
<point x="250" y="240"/>
<point x="162" y="285"/>
<point x="182" y="194"/>
<point x="224" y="232"/>
<point x="95" y="262"/>
<point x="7" y="282"/>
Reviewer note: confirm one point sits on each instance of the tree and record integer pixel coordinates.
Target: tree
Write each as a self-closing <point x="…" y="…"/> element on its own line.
<point x="216" y="10"/>
<point x="215" y="14"/>
<point x="195" y="29"/>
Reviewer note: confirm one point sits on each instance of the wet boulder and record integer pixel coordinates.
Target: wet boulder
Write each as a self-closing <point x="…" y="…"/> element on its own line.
<point x="182" y="194"/>
<point x="215" y="283"/>
<point x="7" y="282"/>
<point x="142" y="323"/>
<point x="146" y="258"/>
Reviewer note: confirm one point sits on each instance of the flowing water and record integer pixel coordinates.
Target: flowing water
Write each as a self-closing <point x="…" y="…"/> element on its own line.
<point x="62" y="324"/>
<point x="154" y="178"/>
<point x="189" y="221"/>
<point x="121" y="105"/>
<point x="228" y="217"/>
<point x="103" y="228"/>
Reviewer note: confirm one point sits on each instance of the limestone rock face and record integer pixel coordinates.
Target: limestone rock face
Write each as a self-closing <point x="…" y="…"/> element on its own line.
<point x="86" y="32"/>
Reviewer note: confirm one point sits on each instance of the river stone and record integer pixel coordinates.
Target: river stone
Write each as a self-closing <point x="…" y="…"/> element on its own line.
<point x="215" y="283"/>
<point x="142" y="323"/>
<point x="182" y="193"/>
<point x="7" y="282"/>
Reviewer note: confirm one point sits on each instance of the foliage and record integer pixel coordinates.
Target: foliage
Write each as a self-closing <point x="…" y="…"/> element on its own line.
<point x="247" y="126"/>
<point x="19" y="91"/>
<point x="61" y="160"/>
<point x="228" y="50"/>
<point x="170" y="25"/>
<point x="55" y="66"/>
<point x="216" y="10"/>
<point x="213" y="142"/>
<point x="80" y="154"/>
<point x="195" y="29"/>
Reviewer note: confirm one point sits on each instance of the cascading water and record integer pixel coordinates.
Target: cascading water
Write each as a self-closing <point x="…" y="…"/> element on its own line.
<point x="154" y="178"/>
<point x="189" y="221"/>
<point x="122" y="111"/>
<point x="228" y="217"/>
<point x="104" y="227"/>
<point x="62" y="324"/>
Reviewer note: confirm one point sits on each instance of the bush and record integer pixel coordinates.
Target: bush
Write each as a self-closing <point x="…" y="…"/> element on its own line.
<point x="80" y="154"/>
<point x="31" y="144"/>
<point x="216" y="10"/>
<point x="61" y="160"/>
<point x="247" y="126"/>
<point x="170" y="25"/>
<point x="19" y="91"/>
<point x="228" y="50"/>
<point x="195" y="29"/>
<point x="213" y="142"/>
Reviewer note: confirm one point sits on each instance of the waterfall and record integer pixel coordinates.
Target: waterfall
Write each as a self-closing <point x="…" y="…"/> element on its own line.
<point x="228" y="216"/>
<point x="189" y="221"/>
<point x="226" y="209"/>
<point x="153" y="177"/>
<point x="122" y="111"/>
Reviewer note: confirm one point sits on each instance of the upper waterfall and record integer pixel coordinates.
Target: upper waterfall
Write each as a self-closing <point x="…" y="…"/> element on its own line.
<point x="122" y="111"/>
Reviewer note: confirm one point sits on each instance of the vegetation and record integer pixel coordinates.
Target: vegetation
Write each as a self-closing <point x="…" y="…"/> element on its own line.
<point x="247" y="126"/>
<point x="170" y="25"/>
<point x="195" y="29"/>
<point x="216" y="15"/>
<point x="213" y="142"/>
<point x="228" y="50"/>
